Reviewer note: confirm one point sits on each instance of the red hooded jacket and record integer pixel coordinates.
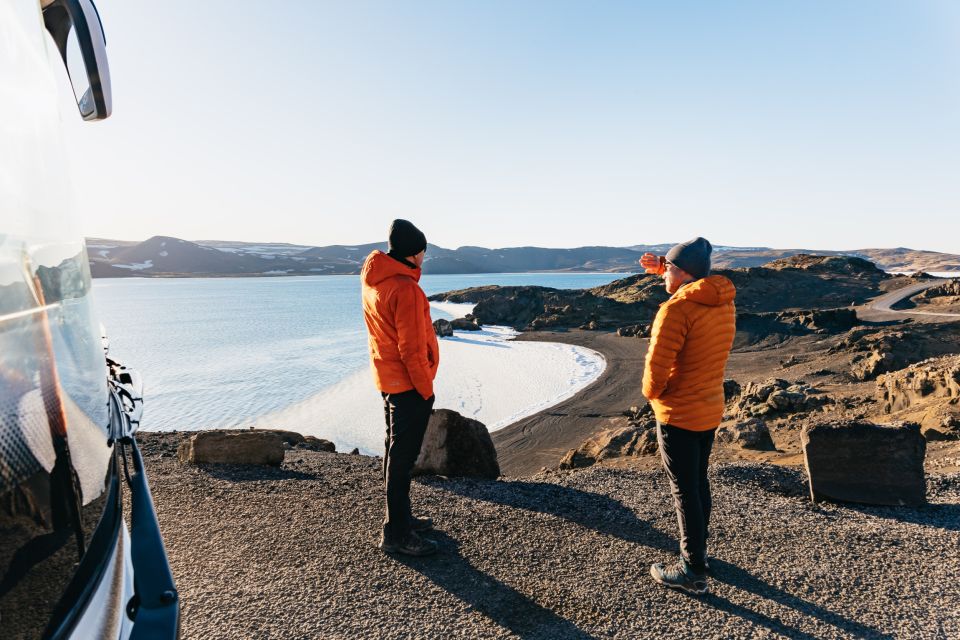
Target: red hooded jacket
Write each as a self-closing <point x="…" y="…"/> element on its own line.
<point x="404" y="352"/>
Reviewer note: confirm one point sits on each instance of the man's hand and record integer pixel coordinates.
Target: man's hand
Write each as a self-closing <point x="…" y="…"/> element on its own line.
<point x="653" y="264"/>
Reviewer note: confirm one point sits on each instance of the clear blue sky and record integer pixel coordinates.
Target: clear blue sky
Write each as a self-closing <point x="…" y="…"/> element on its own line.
<point x="817" y="124"/>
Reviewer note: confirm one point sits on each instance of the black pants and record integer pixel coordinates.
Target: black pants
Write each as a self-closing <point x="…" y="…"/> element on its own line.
<point x="406" y="415"/>
<point x="685" y="455"/>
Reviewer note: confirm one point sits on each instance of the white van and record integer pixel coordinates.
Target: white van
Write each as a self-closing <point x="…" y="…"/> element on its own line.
<point x="69" y="463"/>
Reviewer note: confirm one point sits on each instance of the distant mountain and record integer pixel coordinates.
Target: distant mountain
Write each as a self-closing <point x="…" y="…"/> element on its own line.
<point x="162" y="256"/>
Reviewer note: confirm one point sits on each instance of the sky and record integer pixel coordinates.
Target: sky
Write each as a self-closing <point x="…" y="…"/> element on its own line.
<point x="822" y="124"/>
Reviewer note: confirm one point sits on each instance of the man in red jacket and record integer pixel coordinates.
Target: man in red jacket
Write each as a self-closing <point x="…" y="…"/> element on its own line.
<point x="404" y="355"/>
<point x="683" y="380"/>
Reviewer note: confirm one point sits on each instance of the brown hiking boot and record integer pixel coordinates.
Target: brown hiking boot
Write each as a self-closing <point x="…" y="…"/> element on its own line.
<point x="412" y="545"/>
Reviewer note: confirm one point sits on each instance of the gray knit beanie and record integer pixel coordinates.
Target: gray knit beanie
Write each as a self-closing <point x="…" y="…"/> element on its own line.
<point x="693" y="256"/>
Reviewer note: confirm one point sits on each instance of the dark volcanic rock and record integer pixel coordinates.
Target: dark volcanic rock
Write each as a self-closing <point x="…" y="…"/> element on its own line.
<point x="466" y="324"/>
<point x="537" y="308"/>
<point x="232" y="447"/>
<point x="865" y="462"/>
<point x="443" y="328"/>
<point x="815" y="285"/>
<point x="457" y="446"/>
<point x="299" y="441"/>
<point x="731" y="389"/>
<point x="634" y="331"/>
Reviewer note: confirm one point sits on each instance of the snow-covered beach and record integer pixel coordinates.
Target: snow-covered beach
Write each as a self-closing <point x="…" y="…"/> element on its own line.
<point x="484" y="375"/>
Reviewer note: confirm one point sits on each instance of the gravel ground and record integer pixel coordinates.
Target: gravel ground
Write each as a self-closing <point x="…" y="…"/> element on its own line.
<point x="289" y="553"/>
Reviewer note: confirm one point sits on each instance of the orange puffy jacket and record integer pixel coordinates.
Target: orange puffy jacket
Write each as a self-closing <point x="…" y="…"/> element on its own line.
<point x="689" y="345"/>
<point x="404" y="353"/>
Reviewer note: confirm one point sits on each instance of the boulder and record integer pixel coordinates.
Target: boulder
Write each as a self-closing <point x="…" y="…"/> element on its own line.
<point x="464" y="324"/>
<point x="865" y="462"/>
<point x="232" y="447"/>
<point x="750" y="434"/>
<point x="457" y="446"/>
<point x="443" y="328"/>
<point x="613" y="443"/>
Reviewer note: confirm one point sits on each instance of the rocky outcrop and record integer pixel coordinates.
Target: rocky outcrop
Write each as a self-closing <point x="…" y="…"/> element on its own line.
<point x="232" y="447"/>
<point x="950" y="289"/>
<point x="876" y="352"/>
<point x="775" y="397"/>
<point x="865" y="462"/>
<point x="443" y="328"/>
<point x="819" y="285"/>
<point x="619" y="442"/>
<point x="541" y="308"/>
<point x="749" y="434"/>
<point x="457" y="446"/>
<point x="932" y="389"/>
<point x="934" y="378"/>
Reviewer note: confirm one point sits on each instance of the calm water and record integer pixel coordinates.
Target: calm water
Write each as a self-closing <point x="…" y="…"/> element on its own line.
<point x="216" y="351"/>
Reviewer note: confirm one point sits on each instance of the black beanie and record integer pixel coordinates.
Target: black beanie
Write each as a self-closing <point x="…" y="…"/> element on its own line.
<point x="405" y="239"/>
<point x="693" y="256"/>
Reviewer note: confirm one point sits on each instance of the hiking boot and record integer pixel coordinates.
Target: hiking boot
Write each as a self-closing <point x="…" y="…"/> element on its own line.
<point x="421" y="524"/>
<point x="680" y="576"/>
<point x="412" y="545"/>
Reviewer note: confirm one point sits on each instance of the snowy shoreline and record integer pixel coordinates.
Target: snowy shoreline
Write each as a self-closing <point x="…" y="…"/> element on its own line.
<point x="484" y="375"/>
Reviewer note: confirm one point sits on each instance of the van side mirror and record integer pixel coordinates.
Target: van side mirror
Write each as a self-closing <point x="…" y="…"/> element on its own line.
<point x="77" y="31"/>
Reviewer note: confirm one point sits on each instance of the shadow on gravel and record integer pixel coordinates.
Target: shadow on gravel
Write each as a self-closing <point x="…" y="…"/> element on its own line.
<point x="737" y="577"/>
<point x="500" y="603"/>
<point x="591" y="510"/>
<point x="252" y="473"/>
<point x="938" y="516"/>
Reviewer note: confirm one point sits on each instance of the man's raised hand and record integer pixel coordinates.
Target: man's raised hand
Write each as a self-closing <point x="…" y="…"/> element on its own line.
<point x="653" y="264"/>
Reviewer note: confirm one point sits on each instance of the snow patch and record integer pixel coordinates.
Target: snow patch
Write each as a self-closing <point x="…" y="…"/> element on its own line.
<point x="138" y="266"/>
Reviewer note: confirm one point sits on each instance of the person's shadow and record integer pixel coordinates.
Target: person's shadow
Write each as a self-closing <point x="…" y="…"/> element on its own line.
<point x="608" y="516"/>
<point x="500" y="603"/>
<point x="593" y="511"/>
<point x="735" y="576"/>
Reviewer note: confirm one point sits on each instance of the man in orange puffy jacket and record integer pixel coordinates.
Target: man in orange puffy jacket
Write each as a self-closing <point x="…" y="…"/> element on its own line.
<point x="404" y="355"/>
<point x="683" y="380"/>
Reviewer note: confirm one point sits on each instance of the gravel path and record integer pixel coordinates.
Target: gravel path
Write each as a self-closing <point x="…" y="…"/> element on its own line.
<point x="289" y="553"/>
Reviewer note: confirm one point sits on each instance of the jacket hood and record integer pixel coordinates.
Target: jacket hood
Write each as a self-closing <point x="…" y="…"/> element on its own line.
<point x="711" y="291"/>
<point x="379" y="267"/>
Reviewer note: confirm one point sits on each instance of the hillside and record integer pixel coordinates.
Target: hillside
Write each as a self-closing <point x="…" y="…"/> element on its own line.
<point x="162" y="256"/>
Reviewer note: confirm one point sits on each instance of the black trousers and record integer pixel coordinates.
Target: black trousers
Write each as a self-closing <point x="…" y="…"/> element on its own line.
<point x="685" y="456"/>
<point x="406" y="415"/>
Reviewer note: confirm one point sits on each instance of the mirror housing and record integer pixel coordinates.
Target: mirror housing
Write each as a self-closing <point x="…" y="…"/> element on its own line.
<point x="78" y="33"/>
